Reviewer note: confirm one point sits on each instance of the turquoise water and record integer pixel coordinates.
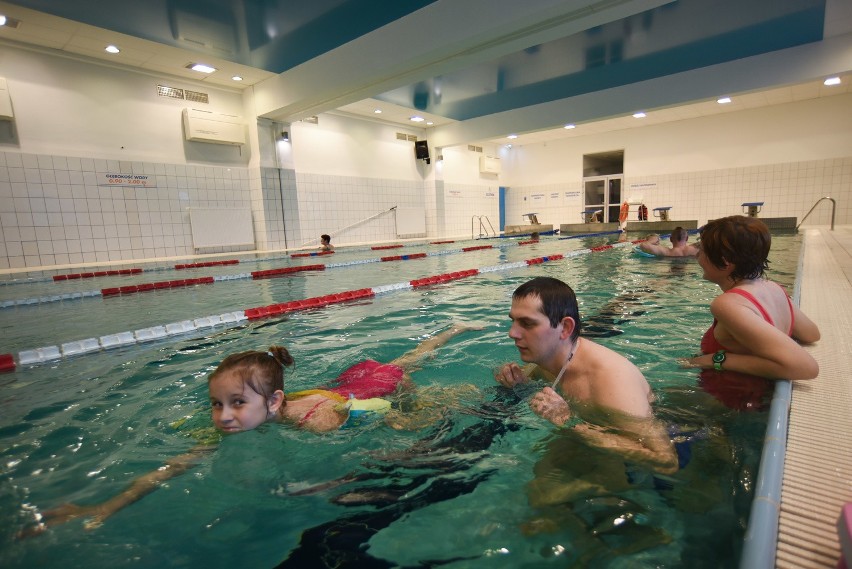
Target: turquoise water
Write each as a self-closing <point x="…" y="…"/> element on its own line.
<point x="453" y="492"/>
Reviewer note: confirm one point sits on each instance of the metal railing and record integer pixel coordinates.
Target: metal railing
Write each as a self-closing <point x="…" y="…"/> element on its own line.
<point x="833" y="207"/>
<point x="483" y="230"/>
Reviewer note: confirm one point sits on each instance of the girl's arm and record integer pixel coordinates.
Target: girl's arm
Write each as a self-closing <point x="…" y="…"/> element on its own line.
<point x="140" y="487"/>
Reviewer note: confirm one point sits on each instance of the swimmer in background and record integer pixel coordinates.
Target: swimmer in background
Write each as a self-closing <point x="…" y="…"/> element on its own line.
<point x="325" y="243"/>
<point x="679" y="246"/>
<point x="247" y="390"/>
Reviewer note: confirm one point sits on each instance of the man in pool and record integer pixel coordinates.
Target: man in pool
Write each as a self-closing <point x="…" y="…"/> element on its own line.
<point x="679" y="246"/>
<point x="605" y="399"/>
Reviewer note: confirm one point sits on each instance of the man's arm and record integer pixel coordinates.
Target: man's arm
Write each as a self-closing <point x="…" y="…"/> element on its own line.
<point x="639" y="439"/>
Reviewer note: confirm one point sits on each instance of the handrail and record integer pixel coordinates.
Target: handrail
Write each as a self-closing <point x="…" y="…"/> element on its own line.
<point x="833" y="207"/>
<point x="481" y="227"/>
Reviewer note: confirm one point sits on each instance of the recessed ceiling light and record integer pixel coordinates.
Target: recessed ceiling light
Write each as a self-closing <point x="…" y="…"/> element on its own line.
<point x="111" y="49"/>
<point x="417" y="118"/>
<point x="378" y="111"/>
<point x="832" y="81"/>
<point x="569" y="126"/>
<point x="201" y="67"/>
<point x="723" y="100"/>
<point x="9" y="22"/>
<point x="236" y="78"/>
<point x="512" y="136"/>
<point x="429" y="123"/>
<point x="639" y="115"/>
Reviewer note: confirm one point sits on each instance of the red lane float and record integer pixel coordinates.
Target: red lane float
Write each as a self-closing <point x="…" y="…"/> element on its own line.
<point x="380" y="247"/>
<point x="208" y="264"/>
<point x="601" y="248"/>
<point x="314" y="302"/>
<point x="314" y="254"/>
<point x="540" y="260"/>
<point x="7" y="363"/>
<point x="405" y="257"/>
<point x="285" y="271"/>
<point x="477" y="248"/>
<point x="144" y="287"/>
<point x="440" y="242"/>
<point x="446" y="277"/>
<point x="111" y="273"/>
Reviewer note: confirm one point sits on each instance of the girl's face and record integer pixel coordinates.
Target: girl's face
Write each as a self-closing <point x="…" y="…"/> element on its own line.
<point x="236" y="407"/>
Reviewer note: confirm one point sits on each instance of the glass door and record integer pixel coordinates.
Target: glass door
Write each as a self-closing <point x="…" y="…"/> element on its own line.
<point x="603" y="193"/>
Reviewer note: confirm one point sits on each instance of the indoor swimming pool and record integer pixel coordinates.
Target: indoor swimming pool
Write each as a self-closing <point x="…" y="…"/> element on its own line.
<point x="80" y="427"/>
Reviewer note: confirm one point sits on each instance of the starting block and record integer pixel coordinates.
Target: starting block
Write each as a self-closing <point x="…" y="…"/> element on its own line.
<point x="753" y="208"/>
<point x="662" y="213"/>
<point x="591" y="215"/>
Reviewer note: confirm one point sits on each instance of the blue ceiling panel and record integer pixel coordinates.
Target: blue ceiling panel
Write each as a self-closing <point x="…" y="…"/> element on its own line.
<point x="274" y="35"/>
<point x="653" y="44"/>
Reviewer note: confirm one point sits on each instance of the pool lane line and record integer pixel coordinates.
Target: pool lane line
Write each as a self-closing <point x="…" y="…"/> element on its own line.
<point x="182" y="283"/>
<point x="235" y="318"/>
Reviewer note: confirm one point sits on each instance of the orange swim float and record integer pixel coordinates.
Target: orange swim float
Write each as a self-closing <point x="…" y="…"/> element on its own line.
<point x="623" y="213"/>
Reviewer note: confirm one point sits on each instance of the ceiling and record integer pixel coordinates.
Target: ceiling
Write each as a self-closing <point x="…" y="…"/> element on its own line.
<point x="478" y="70"/>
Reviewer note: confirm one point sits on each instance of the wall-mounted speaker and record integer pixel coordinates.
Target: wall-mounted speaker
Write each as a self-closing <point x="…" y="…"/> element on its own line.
<point x="421" y="150"/>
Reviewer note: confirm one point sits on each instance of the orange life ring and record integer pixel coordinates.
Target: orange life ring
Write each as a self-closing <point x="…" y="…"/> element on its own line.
<point x="623" y="213"/>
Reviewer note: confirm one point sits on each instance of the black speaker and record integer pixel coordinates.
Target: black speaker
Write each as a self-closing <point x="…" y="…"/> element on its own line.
<point x="421" y="150"/>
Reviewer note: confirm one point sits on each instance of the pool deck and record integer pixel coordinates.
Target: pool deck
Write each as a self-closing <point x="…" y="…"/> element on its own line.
<point x="817" y="477"/>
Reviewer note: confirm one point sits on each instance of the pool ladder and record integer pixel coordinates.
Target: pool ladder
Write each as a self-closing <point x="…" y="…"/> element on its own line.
<point x="833" y="207"/>
<point x="483" y="229"/>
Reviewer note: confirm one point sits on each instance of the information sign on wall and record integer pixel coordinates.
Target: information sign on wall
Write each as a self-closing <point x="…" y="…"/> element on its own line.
<point x="142" y="180"/>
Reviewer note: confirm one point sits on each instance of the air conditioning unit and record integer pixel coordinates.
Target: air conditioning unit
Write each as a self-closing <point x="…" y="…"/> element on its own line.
<point x="5" y="102"/>
<point x="209" y="126"/>
<point x="489" y="165"/>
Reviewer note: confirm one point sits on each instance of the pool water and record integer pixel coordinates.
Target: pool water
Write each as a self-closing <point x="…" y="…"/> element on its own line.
<point x="452" y="493"/>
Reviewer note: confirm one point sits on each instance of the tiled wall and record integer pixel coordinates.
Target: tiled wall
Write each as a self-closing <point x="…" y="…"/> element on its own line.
<point x="554" y="204"/>
<point x="351" y="209"/>
<point x="787" y="190"/>
<point x="54" y="210"/>
<point x="465" y="205"/>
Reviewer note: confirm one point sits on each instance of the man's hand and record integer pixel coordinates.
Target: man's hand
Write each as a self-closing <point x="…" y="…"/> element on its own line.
<point x="510" y="375"/>
<point x="549" y="405"/>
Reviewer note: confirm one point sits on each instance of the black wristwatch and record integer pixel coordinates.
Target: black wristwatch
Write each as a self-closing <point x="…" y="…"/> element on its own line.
<point x="718" y="360"/>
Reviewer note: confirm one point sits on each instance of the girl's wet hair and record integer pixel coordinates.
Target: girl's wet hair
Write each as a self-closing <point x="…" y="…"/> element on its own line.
<point x="742" y="241"/>
<point x="263" y="372"/>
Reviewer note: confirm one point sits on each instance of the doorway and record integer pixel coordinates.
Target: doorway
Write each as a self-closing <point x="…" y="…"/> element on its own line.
<point x="603" y="179"/>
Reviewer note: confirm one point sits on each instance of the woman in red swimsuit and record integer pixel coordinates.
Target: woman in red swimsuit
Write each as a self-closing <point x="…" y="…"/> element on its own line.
<point x="756" y="328"/>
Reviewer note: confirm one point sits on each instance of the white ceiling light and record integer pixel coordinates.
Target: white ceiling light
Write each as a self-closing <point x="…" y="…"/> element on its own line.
<point x="569" y="126"/>
<point x="201" y="67"/>
<point x="723" y="100"/>
<point x="236" y="78"/>
<point x="512" y="136"/>
<point x="429" y="123"/>
<point x="2" y="20"/>
<point x="639" y="115"/>
<point x="831" y="81"/>
<point x="111" y="49"/>
<point x="378" y="111"/>
<point x="417" y="118"/>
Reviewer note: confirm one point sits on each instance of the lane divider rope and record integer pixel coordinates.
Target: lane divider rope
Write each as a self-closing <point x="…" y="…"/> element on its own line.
<point x="235" y="318"/>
